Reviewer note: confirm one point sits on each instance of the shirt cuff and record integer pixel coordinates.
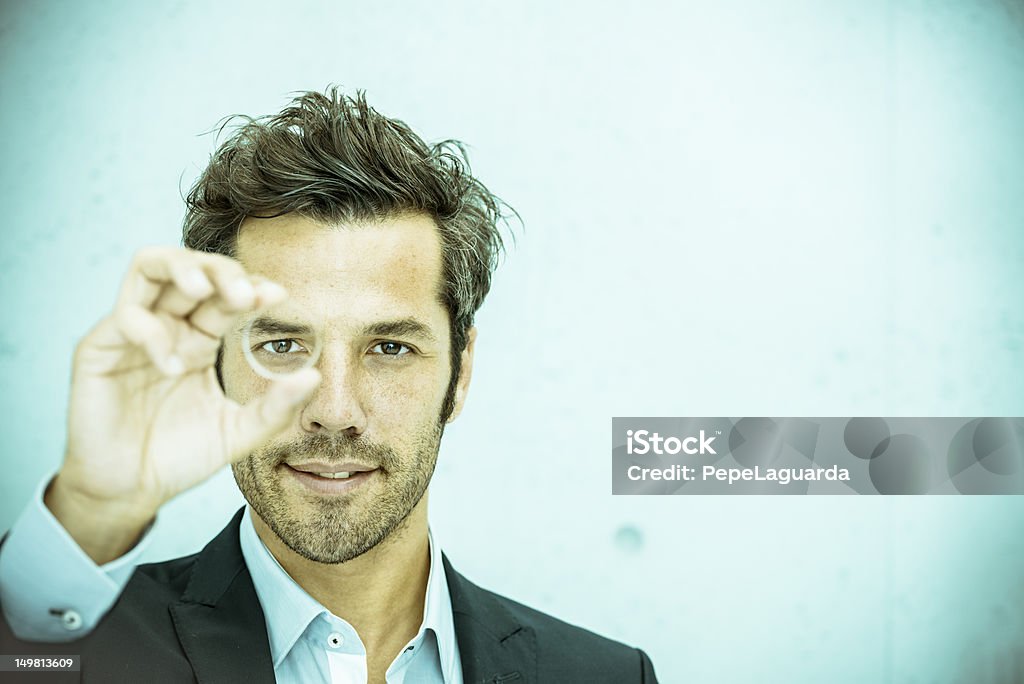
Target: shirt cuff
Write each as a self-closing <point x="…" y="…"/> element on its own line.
<point x="50" y="590"/>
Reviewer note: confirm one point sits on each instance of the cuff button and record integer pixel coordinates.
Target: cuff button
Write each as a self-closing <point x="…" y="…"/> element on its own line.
<point x="71" y="620"/>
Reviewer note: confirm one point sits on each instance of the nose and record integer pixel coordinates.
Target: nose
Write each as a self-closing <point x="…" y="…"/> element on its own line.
<point x="336" y="406"/>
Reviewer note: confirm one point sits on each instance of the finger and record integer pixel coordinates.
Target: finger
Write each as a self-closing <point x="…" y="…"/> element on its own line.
<point x="268" y="293"/>
<point x="215" y="317"/>
<point x="234" y="286"/>
<point x="251" y="425"/>
<point x="142" y="328"/>
<point x="138" y="290"/>
<point x="155" y="268"/>
<point x="176" y="302"/>
<point x="187" y="280"/>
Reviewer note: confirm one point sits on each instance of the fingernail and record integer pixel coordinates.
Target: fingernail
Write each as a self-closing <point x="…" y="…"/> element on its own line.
<point x="273" y="291"/>
<point x="241" y="289"/>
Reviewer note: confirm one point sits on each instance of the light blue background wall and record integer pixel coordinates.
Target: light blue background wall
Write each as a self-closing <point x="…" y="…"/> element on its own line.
<point x="731" y="208"/>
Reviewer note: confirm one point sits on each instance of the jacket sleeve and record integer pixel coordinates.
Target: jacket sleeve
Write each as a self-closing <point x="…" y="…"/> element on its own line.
<point x="50" y="590"/>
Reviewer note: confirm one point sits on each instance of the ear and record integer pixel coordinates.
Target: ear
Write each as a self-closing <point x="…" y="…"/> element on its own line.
<point x="465" y="374"/>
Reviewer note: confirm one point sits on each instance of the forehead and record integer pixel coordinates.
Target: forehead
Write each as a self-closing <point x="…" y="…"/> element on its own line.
<point x="392" y="266"/>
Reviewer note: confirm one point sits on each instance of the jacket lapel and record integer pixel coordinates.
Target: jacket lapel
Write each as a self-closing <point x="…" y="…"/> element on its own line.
<point x="219" y="619"/>
<point x="223" y="632"/>
<point x="494" y="648"/>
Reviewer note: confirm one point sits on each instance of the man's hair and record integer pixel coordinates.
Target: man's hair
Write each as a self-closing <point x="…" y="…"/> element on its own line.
<point x="333" y="158"/>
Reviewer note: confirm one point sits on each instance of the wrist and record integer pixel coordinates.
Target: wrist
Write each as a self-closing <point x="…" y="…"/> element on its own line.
<point x="105" y="529"/>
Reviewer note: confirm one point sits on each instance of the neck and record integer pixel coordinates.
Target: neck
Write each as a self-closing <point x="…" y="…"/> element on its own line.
<point x="381" y="593"/>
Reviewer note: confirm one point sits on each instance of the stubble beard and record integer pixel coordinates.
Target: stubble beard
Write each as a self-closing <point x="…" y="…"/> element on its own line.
<point x="335" y="530"/>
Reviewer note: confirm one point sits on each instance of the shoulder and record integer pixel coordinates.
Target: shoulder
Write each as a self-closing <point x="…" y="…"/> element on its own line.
<point x="557" y="633"/>
<point x="564" y="652"/>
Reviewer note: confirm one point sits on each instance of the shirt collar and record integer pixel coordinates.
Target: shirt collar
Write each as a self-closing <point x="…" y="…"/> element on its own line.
<point x="437" y="613"/>
<point x="289" y="609"/>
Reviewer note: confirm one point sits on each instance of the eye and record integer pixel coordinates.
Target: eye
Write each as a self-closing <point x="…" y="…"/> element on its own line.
<point x="281" y="346"/>
<point x="389" y="348"/>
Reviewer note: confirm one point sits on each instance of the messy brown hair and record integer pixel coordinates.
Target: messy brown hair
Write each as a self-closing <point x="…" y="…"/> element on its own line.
<point x="333" y="158"/>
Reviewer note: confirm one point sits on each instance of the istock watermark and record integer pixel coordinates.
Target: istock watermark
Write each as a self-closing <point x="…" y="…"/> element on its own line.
<point x="857" y="455"/>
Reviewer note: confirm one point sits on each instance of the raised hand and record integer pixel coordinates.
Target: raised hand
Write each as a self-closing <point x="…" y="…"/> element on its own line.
<point x="147" y="418"/>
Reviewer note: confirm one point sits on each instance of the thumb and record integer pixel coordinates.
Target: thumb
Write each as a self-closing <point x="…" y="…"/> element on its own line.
<point x="252" y="424"/>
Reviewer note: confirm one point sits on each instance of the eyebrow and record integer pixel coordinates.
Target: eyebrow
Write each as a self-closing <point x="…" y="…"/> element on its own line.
<point x="264" y="325"/>
<point x="399" y="327"/>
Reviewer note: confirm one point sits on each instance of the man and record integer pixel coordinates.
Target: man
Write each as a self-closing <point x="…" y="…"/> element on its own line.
<point x="330" y="240"/>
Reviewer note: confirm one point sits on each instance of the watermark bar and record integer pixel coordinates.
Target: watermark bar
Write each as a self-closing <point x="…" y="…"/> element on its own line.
<point x="817" y="455"/>
<point x="38" y="663"/>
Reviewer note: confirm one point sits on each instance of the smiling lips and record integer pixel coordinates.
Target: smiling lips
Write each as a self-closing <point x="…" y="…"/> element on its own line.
<point x="327" y="478"/>
<point x="340" y="471"/>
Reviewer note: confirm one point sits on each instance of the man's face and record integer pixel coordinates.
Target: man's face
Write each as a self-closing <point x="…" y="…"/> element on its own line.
<point x="369" y="295"/>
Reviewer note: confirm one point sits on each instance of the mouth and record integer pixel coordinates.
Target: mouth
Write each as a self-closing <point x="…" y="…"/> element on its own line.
<point x="330" y="480"/>
<point x="335" y="476"/>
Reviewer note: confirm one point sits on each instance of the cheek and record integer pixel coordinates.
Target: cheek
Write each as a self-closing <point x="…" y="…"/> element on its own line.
<point x="241" y="384"/>
<point x="407" y="396"/>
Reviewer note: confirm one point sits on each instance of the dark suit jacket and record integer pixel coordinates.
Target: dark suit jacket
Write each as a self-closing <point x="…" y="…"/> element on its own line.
<point x="197" y="619"/>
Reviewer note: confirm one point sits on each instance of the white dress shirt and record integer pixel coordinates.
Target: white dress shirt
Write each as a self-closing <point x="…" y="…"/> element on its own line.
<point x="309" y="644"/>
<point x="41" y="567"/>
